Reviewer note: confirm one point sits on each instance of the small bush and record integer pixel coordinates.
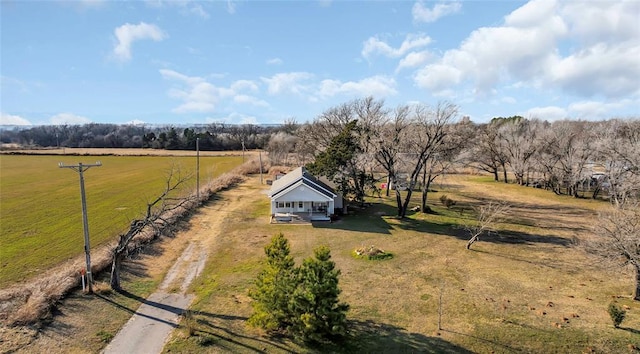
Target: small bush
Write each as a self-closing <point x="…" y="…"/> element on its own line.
<point x="617" y="314"/>
<point x="372" y="253"/>
<point x="205" y="340"/>
<point x="444" y="199"/>
<point x="105" y="336"/>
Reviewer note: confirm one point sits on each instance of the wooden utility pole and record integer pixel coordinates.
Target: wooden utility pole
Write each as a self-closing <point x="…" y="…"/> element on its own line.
<point x="260" y="166"/>
<point x="80" y="168"/>
<point x="242" y="149"/>
<point x="198" y="168"/>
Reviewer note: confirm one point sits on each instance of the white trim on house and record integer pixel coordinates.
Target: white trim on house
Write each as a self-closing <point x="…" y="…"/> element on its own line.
<point x="298" y="192"/>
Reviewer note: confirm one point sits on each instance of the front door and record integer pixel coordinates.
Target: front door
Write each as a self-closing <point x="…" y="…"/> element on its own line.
<point x="300" y="207"/>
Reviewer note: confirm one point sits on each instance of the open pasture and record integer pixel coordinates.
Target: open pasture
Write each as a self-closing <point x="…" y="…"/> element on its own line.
<point x="40" y="208"/>
<point x="528" y="289"/>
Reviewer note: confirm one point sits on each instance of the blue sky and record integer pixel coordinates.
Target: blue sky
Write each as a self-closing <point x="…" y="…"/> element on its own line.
<point x="183" y="62"/>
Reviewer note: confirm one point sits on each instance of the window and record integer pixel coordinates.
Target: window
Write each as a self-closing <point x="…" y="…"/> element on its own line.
<point x="287" y="205"/>
<point x="280" y="205"/>
<point x="300" y="205"/>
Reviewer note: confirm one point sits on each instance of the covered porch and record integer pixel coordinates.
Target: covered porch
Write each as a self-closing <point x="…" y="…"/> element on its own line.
<point x="303" y="211"/>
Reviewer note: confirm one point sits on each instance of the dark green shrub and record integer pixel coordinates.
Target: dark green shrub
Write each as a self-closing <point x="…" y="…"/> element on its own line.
<point x="273" y="287"/>
<point x="317" y="314"/>
<point x="617" y="314"/>
<point x="300" y="301"/>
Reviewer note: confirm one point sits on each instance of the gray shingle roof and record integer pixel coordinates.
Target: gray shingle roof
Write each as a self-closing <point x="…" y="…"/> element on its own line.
<point x="308" y="180"/>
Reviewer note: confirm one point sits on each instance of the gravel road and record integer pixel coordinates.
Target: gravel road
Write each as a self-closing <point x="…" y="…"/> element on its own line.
<point x="159" y="314"/>
<point x="150" y="327"/>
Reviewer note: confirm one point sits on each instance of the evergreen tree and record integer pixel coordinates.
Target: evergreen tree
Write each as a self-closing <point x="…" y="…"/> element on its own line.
<point x="316" y="313"/>
<point x="339" y="162"/>
<point x="273" y="287"/>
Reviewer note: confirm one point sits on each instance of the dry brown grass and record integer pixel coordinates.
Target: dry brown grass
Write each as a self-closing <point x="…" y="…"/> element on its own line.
<point x="528" y="290"/>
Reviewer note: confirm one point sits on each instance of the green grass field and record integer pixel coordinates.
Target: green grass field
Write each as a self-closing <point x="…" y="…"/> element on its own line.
<point x="529" y="289"/>
<point x="40" y="208"/>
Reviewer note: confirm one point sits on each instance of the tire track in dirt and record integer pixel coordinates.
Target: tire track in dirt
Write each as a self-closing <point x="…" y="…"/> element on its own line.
<point x="151" y="325"/>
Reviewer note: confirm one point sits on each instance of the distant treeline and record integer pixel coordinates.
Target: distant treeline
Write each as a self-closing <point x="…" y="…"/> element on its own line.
<point x="94" y="135"/>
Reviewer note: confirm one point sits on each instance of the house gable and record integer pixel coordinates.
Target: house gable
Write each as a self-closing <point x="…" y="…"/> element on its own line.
<point x="293" y="180"/>
<point x="301" y="192"/>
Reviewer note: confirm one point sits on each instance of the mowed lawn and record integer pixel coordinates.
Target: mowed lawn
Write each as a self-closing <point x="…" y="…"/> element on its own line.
<point x="40" y="206"/>
<point x="529" y="289"/>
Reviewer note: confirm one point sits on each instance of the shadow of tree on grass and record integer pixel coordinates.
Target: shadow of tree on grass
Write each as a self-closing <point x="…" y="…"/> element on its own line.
<point x="375" y="337"/>
<point x="363" y="337"/>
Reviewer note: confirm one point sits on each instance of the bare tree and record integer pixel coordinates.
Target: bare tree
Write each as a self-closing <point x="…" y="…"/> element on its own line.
<point x="279" y="147"/>
<point x="159" y="214"/>
<point x="388" y="140"/>
<point x="564" y="151"/>
<point x="487" y="216"/>
<point x="619" y="149"/>
<point x="519" y="135"/>
<point x="445" y="156"/>
<point x="617" y="239"/>
<point x="487" y="152"/>
<point x="428" y="132"/>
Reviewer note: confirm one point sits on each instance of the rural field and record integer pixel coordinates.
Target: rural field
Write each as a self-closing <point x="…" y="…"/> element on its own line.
<point x="41" y="210"/>
<point x="529" y="289"/>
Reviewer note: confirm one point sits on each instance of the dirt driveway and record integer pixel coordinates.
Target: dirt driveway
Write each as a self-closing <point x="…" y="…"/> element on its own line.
<point x="149" y="328"/>
<point x="184" y="256"/>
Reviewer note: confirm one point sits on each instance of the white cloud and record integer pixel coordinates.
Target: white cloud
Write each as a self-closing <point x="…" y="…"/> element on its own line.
<point x="231" y="7"/>
<point x="233" y="118"/>
<point x="68" y="118"/>
<point x="200" y="96"/>
<point x="10" y="119"/>
<point x="438" y="77"/>
<point x="136" y="122"/>
<point x="594" y="110"/>
<point x="196" y="93"/>
<point x="375" y="45"/>
<point x="421" y="13"/>
<point x="199" y="11"/>
<point x="413" y="60"/>
<point x="251" y="100"/>
<point x="603" y="21"/>
<point x="275" y="61"/>
<point x="247" y="85"/>
<point x="128" y="33"/>
<point x="586" y="48"/>
<point x="293" y="82"/>
<point x="549" y="113"/>
<point x="186" y="7"/>
<point x="377" y="86"/>
<point x="610" y="70"/>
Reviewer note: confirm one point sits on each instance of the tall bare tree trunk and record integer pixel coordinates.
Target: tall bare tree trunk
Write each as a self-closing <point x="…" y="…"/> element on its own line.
<point x="636" y="296"/>
<point x="388" y="184"/>
<point x="405" y="205"/>
<point x="115" y="272"/>
<point x="399" y="201"/>
<point x="504" y="173"/>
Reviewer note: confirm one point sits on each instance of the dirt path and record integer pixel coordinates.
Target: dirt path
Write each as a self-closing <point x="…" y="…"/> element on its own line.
<point x="151" y="325"/>
<point x="81" y="324"/>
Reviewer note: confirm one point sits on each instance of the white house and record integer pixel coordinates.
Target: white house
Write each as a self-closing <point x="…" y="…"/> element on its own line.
<point x="300" y="195"/>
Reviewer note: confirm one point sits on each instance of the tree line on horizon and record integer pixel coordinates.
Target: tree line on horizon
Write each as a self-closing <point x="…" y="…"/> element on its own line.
<point x="215" y="136"/>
